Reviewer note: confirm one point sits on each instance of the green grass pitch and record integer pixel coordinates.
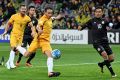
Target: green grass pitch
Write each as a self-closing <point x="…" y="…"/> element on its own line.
<point x="78" y="62"/>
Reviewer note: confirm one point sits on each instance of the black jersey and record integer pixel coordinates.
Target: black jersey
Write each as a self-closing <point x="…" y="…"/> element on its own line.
<point x="97" y="26"/>
<point x="28" y="30"/>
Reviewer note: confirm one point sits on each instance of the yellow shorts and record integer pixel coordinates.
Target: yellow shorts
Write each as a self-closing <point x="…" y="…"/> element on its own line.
<point x="15" y="40"/>
<point x="44" y="45"/>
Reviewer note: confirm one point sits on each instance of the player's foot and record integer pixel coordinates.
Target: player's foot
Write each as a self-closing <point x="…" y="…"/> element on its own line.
<point x="12" y="66"/>
<point x="7" y="65"/>
<point x="29" y="64"/>
<point x="17" y="64"/>
<point x="114" y="75"/>
<point x="54" y="74"/>
<point x="101" y="66"/>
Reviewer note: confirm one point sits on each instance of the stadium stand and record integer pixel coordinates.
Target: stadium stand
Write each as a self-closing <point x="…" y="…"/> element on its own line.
<point x="73" y="12"/>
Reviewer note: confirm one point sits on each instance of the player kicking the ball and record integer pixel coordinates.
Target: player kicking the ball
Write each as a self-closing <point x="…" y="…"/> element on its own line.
<point x="98" y="28"/>
<point x="42" y="40"/>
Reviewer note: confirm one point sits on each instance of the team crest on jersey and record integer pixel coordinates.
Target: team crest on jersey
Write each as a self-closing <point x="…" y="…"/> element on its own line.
<point x="99" y="26"/>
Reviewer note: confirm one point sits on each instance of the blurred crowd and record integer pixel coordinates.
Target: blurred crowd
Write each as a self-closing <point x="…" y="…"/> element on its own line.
<point x="73" y="12"/>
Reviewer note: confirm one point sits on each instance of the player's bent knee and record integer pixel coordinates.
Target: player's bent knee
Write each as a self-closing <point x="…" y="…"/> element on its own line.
<point x="15" y="50"/>
<point x="104" y="54"/>
<point x="48" y="53"/>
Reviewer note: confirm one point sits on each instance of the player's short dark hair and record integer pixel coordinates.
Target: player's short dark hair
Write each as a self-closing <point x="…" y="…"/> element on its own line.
<point x="22" y="5"/>
<point x="99" y="7"/>
<point x="31" y="7"/>
<point x="47" y="8"/>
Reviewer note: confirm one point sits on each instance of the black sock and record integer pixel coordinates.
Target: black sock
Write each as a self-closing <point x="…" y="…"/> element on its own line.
<point x="19" y="59"/>
<point x="103" y="63"/>
<point x="109" y="66"/>
<point x="31" y="57"/>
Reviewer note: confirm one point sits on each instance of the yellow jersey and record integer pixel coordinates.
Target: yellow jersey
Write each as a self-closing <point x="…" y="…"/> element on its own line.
<point x="46" y="25"/>
<point x="19" y="23"/>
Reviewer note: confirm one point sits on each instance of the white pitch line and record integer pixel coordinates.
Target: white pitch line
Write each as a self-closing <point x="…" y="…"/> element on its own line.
<point x="67" y="65"/>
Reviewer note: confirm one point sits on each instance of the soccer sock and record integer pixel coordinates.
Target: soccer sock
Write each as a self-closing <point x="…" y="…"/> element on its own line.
<point x="19" y="59"/>
<point x="109" y="66"/>
<point x="21" y="50"/>
<point x="31" y="57"/>
<point x="103" y="63"/>
<point x="50" y="64"/>
<point x="11" y="57"/>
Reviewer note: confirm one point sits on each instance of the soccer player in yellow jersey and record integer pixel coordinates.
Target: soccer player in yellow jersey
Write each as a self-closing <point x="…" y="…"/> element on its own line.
<point x="19" y="22"/>
<point x="42" y="40"/>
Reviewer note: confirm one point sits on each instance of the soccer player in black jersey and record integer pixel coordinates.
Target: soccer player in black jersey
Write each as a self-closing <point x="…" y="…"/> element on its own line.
<point x="27" y="38"/>
<point x="98" y="27"/>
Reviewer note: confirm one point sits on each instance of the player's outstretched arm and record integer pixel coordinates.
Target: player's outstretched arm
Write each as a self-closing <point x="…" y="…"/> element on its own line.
<point x="82" y="26"/>
<point x="57" y="17"/>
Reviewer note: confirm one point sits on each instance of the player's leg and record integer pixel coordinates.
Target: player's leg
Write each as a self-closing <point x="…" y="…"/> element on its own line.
<point x="101" y="51"/>
<point x="110" y="57"/>
<point x="13" y="43"/>
<point x="46" y="48"/>
<point x="19" y="59"/>
<point x="33" y="47"/>
<point x="106" y="62"/>
<point x="24" y="44"/>
<point x="109" y="52"/>
<point x="28" y="62"/>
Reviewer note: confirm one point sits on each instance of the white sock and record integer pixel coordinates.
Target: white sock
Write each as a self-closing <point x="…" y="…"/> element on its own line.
<point x="11" y="57"/>
<point x="21" y="50"/>
<point x="50" y="64"/>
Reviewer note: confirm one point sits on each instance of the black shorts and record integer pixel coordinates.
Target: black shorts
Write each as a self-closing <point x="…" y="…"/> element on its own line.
<point x="103" y="47"/>
<point x="26" y="40"/>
